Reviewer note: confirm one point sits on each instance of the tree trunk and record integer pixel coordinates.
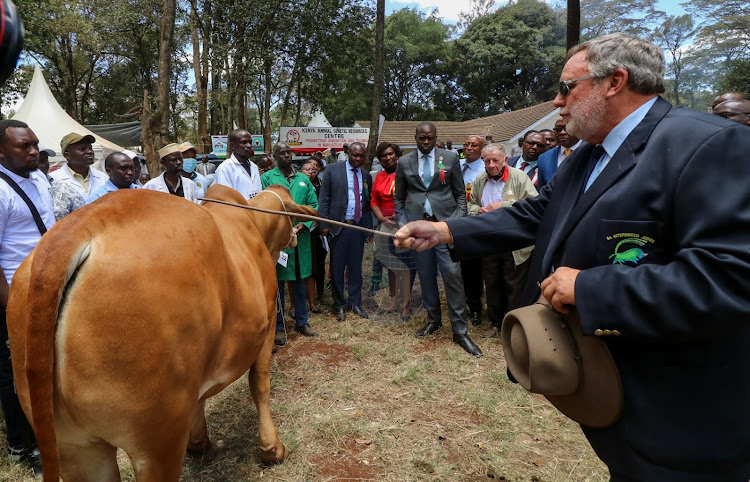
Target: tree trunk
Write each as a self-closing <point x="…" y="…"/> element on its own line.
<point x="149" y="151"/>
<point x="241" y="95"/>
<point x="573" y="23"/>
<point x="161" y="136"/>
<point x="267" y="105"/>
<point x="200" y="67"/>
<point x="377" y="87"/>
<point x="70" y="81"/>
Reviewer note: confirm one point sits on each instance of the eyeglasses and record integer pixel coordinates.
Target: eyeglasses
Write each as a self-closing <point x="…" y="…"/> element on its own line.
<point x="565" y="84"/>
<point x="727" y="115"/>
<point x="540" y="145"/>
<point x="558" y="129"/>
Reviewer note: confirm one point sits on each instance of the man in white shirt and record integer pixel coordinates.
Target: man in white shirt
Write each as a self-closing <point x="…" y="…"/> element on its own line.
<point x="344" y="155"/>
<point x="19" y="234"/>
<point x="77" y="172"/>
<point x="471" y="269"/>
<point x="239" y="172"/>
<point x="171" y="181"/>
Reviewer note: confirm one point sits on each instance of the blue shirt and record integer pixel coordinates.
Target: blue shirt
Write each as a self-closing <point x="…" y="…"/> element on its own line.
<point x="617" y="136"/>
<point x="108" y="187"/>
<point x="471" y="170"/>
<point x="350" y="188"/>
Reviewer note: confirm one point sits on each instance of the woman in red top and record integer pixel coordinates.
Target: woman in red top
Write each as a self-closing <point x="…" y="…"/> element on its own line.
<point x="399" y="262"/>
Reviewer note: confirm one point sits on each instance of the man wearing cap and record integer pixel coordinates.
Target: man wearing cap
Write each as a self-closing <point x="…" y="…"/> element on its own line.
<point x="20" y="231"/>
<point x="77" y="173"/>
<point x="189" y="167"/>
<point x="344" y="155"/>
<point x="121" y="172"/>
<point x="632" y="235"/>
<point x="171" y="181"/>
<point x="239" y="172"/>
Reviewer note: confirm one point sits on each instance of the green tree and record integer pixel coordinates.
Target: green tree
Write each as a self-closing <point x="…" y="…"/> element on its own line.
<point x="635" y="17"/>
<point x="672" y="35"/>
<point x="507" y="60"/>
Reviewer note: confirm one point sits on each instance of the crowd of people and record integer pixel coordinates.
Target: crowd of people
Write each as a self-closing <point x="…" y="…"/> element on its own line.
<point x="556" y="239"/>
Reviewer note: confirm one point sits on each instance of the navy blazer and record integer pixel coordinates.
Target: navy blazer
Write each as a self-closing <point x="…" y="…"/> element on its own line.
<point x="662" y="237"/>
<point x="334" y="196"/>
<point x="547" y="166"/>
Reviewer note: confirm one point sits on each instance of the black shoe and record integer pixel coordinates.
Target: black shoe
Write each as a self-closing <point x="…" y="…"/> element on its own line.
<point x="29" y="457"/>
<point x="304" y="330"/>
<point x="476" y="317"/>
<point x="340" y="314"/>
<point x="465" y="342"/>
<point x="429" y="328"/>
<point x="316" y="311"/>
<point x="279" y="339"/>
<point x="493" y="332"/>
<point x="357" y="310"/>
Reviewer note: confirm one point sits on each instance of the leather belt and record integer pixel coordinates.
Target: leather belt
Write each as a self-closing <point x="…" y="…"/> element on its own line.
<point x="349" y="221"/>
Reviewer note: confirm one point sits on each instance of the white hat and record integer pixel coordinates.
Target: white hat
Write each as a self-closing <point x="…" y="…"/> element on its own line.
<point x="130" y="154"/>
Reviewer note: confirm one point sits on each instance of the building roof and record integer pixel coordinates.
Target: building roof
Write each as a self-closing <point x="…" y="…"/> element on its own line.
<point x="503" y="127"/>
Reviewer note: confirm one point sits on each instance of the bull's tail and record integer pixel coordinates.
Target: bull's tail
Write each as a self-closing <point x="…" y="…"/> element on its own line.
<point x="55" y="262"/>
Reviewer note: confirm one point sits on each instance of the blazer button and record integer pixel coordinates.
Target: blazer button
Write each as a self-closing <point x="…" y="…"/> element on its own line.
<point x="615" y="332"/>
<point x="598" y="332"/>
<point x="607" y="332"/>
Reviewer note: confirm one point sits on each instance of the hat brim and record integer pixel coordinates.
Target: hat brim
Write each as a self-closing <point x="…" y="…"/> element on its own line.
<point x="598" y="401"/>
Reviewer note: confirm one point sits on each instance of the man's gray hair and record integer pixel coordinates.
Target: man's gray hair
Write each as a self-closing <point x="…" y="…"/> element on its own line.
<point x="494" y="147"/>
<point x="643" y="60"/>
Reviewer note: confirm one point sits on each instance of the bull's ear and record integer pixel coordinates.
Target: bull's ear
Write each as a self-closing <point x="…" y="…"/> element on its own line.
<point x="297" y="209"/>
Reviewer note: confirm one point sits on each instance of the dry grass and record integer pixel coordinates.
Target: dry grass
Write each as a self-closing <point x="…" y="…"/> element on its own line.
<point x="369" y="401"/>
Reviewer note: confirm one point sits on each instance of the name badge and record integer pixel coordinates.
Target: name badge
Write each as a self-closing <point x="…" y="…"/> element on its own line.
<point x="283" y="259"/>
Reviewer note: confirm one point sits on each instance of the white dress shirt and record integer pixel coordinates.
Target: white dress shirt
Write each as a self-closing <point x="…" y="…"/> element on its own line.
<point x="189" y="190"/>
<point x="231" y="173"/>
<point x="19" y="233"/>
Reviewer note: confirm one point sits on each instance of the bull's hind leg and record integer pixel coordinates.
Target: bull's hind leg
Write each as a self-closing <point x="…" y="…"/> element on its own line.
<point x="92" y="462"/>
<point x="271" y="449"/>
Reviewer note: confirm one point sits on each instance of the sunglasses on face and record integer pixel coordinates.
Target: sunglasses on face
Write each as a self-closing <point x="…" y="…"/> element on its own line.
<point x="540" y="145"/>
<point x="565" y="84"/>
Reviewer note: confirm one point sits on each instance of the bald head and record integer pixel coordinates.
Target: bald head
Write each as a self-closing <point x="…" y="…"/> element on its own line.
<point x="735" y="110"/>
<point x="727" y="96"/>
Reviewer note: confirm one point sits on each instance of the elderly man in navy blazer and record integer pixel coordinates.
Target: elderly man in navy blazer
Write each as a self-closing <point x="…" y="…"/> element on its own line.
<point x="633" y="233"/>
<point x="345" y="196"/>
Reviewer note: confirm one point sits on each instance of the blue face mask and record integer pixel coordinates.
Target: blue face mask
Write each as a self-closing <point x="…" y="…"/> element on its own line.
<point x="189" y="164"/>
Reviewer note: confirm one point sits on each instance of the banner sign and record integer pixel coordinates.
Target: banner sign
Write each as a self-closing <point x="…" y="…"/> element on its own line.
<point x="221" y="143"/>
<point x="322" y="138"/>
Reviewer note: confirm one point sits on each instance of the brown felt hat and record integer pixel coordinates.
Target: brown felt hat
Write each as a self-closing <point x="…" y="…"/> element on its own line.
<point x="548" y="354"/>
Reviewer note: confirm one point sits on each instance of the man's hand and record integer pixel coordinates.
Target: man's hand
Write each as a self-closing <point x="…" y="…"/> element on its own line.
<point x="422" y="235"/>
<point x="490" y="207"/>
<point x="390" y="222"/>
<point x="560" y="288"/>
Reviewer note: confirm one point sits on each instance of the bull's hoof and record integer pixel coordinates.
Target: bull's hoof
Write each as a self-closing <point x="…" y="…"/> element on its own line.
<point x="199" y="449"/>
<point x="274" y="456"/>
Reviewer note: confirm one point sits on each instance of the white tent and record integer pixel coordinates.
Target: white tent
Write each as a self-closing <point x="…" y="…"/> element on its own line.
<point x="319" y="120"/>
<point x="51" y="123"/>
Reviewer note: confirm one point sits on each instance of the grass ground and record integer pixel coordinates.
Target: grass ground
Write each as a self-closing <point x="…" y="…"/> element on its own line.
<point x="369" y="401"/>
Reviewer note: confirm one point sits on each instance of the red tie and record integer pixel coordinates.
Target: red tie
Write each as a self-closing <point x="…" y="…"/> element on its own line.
<point x="524" y="164"/>
<point x="357" y="200"/>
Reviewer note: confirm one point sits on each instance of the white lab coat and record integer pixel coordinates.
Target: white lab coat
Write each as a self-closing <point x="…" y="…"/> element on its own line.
<point x="189" y="188"/>
<point x="97" y="179"/>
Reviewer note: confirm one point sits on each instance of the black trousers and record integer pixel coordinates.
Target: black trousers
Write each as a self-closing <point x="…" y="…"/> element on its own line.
<point x="471" y="272"/>
<point x="20" y="434"/>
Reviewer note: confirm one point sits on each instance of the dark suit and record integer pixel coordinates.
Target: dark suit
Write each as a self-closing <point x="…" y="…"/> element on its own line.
<point x="448" y="201"/>
<point x="547" y="166"/>
<point x="347" y="245"/>
<point x="680" y="305"/>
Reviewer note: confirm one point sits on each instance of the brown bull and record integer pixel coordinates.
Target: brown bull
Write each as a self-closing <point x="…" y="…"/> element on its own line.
<point x="130" y="313"/>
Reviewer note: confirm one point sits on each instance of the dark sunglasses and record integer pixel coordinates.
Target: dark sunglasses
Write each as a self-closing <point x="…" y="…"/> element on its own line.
<point x="565" y="84"/>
